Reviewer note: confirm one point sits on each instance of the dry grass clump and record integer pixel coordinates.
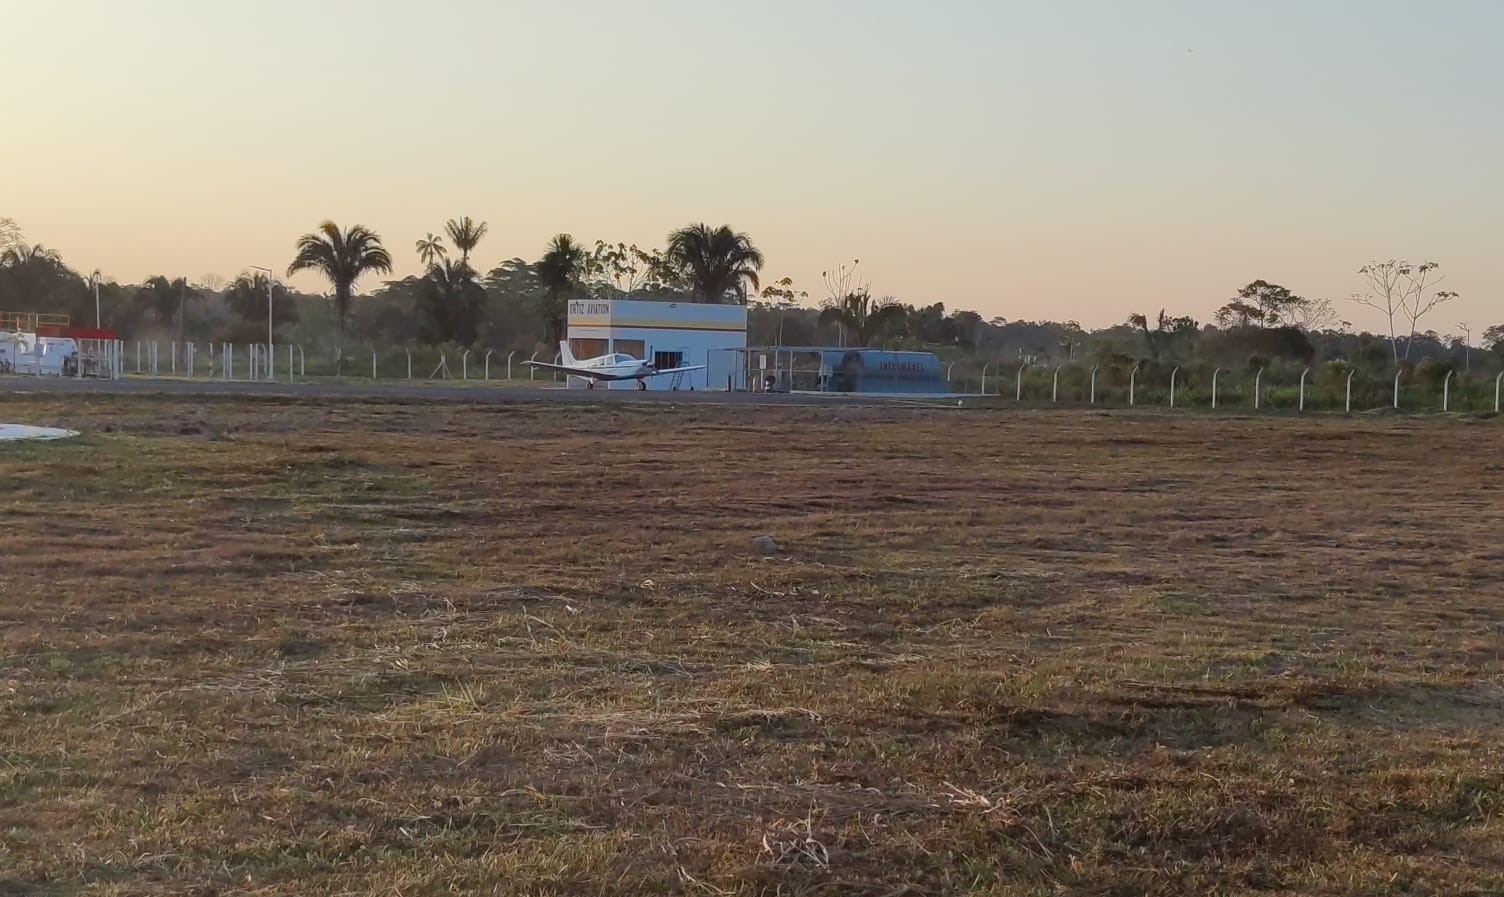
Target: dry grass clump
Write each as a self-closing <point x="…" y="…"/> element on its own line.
<point x="374" y="648"/>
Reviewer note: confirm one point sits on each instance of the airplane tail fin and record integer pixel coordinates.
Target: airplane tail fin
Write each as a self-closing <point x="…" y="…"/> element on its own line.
<point x="565" y="356"/>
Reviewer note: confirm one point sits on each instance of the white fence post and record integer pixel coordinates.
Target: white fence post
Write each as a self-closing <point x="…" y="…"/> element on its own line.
<point x="1498" y="381"/>
<point x="1446" y="391"/>
<point x="302" y="363"/>
<point x="1018" y="392"/>
<point x="1258" y="381"/>
<point x="1172" y="385"/>
<point x="532" y="372"/>
<point x="1055" y="388"/>
<point x="229" y="361"/>
<point x="138" y="356"/>
<point x="290" y="368"/>
<point x="373" y="362"/>
<point x="488" y="364"/>
<point x="1215" y="374"/>
<point x="509" y="363"/>
<point x="1093" y="399"/>
<point x="984" y="377"/>
<point x="1397" y="375"/>
<point x="173" y="348"/>
<point x="409" y="363"/>
<point x="1303" y="388"/>
<point x="1350" y="391"/>
<point x="465" y="365"/>
<point x="1132" y="383"/>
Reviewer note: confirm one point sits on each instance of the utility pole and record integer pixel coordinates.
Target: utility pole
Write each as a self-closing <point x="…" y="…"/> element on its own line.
<point x="95" y="279"/>
<point x="270" y="355"/>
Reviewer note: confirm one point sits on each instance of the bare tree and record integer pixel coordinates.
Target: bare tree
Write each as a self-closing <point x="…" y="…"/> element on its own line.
<point x="1318" y="315"/>
<point x="842" y="282"/>
<point x="211" y="282"/>
<point x="10" y="234"/>
<point x="1403" y="293"/>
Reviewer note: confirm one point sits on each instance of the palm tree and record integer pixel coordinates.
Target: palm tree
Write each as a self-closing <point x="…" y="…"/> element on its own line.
<point x="343" y="257"/>
<point x="451" y="301"/>
<point x="863" y="321"/>
<point x="37" y="275"/>
<point x="168" y="299"/>
<point x="430" y="249"/>
<point x="557" y="271"/>
<point x="715" y="263"/>
<point x="20" y="254"/>
<point x="465" y="233"/>
<point x="246" y="297"/>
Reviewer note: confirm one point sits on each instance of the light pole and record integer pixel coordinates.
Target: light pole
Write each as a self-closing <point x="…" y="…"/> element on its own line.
<point x="94" y="278"/>
<point x="269" y="282"/>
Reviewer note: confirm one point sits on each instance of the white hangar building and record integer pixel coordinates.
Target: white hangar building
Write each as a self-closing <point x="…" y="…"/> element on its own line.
<point x="669" y="334"/>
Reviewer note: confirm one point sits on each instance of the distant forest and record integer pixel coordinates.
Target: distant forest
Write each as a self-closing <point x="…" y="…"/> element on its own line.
<point x="518" y="306"/>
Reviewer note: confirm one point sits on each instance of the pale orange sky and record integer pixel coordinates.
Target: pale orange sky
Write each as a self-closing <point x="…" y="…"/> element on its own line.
<point x="1032" y="160"/>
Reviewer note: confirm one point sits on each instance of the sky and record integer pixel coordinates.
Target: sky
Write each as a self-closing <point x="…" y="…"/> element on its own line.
<point x="1059" y="159"/>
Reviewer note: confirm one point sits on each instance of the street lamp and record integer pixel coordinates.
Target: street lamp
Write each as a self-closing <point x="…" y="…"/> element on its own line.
<point x="270" y="355"/>
<point x="95" y="278"/>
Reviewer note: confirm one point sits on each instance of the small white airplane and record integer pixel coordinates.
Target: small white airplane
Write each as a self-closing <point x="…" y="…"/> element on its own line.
<point x="608" y="367"/>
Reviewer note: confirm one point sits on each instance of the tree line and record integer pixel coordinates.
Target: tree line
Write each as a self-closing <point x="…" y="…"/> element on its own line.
<point x="521" y="305"/>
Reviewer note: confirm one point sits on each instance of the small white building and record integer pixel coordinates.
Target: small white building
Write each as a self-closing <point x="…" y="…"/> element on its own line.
<point x="669" y="334"/>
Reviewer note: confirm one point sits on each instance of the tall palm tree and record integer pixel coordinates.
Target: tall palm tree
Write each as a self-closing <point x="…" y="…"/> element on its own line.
<point x="466" y="234"/>
<point x="865" y="322"/>
<point x="431" y="249"/>
<point x="557" y="271"/>
<point x="342" y="257"/>
<point x="716" y="264"/>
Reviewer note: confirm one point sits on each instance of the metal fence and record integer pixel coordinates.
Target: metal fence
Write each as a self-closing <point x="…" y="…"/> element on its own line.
<point x="255" y="362"/>
<point x="1329" y="388"/>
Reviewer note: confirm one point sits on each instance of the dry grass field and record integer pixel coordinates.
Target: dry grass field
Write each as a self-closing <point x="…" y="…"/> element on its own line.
<point x="256" y="648"/>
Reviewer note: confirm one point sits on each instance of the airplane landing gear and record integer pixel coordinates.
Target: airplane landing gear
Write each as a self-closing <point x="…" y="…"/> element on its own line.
<point x="642" y="384"/>
<point x="590" y="384"/>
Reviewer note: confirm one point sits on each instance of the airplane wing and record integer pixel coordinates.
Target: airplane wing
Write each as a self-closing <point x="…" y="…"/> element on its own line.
<point x="590" y="373"/>
<point x="684" y="370"/>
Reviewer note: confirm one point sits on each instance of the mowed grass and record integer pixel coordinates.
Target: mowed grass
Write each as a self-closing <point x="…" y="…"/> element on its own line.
<point x="259" y="647"/>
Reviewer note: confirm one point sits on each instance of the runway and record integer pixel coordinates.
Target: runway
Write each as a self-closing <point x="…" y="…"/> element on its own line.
<point x="431" y="391"/>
